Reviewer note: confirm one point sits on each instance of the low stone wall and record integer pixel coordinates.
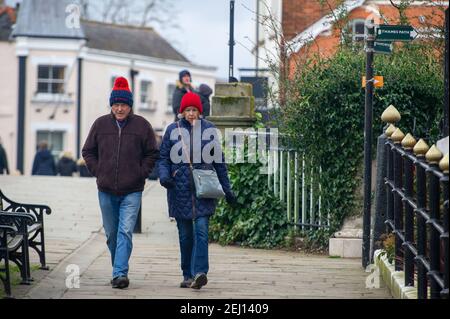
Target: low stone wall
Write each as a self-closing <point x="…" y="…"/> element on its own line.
<point x="394" y="280"/>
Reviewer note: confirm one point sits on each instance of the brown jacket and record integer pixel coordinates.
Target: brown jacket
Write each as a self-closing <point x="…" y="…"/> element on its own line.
<point x="121" y="159"/>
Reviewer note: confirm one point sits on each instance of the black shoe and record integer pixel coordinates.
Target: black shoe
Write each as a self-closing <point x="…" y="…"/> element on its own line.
<point x="199" y="281"/>
<point x="186" y="283"/>
<point x="120" y="282"/>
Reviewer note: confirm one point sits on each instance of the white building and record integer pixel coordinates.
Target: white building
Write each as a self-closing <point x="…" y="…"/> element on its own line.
<point x="56" y="78"/>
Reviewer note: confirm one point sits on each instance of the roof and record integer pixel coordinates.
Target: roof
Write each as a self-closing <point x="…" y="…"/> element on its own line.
<point x="45" y="18"/>
<point x="7" y="19"/>
<point x="129" y="39"/>
<point x="322" y="25"/>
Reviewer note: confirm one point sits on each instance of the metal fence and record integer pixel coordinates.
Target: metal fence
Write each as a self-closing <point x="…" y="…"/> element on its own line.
<point x="294" y="178"/>
<point x="417" y="193"/>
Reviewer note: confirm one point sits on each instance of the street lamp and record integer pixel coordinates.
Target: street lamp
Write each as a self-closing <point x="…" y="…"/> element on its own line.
<point x="231" y="43"/>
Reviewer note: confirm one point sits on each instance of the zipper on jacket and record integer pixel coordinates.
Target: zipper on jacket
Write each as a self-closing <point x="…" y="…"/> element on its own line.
<point x="117" y="159"/>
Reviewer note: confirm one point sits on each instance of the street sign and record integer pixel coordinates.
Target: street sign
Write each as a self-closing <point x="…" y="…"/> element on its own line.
<point x="384" y="47"/>
<point x="378" y="81"/>
<point x="386" y="32"/>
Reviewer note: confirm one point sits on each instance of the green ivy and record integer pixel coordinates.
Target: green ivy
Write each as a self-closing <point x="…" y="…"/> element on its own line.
<point x="259" y="218"/>
<point x="325" y="116"/>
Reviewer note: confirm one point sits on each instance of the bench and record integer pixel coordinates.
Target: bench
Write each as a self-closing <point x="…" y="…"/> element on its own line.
<point x="13" y="230"/>
<point x="35" y="237"/>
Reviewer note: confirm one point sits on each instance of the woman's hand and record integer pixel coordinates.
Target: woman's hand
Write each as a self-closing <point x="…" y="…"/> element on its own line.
<point x="167" y="183"/>
<point x="231" y="199"/>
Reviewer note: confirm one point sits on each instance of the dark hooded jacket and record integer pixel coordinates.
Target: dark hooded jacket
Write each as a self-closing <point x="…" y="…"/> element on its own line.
<point x="204" y="91"/>
<point x="3" y="161"/>
<point x="44" y="164"/>
<point x="66" y="166"/>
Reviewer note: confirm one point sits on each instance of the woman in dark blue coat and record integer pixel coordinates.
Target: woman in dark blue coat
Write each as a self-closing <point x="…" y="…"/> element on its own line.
<point x="182" y="143"/>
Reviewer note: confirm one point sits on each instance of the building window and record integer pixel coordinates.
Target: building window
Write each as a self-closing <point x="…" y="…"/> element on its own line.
<point x="358" y="30"/>
<point x="54" y="139"/>
<point x="146" y="95"/>
<point x="170" y="90"/>
<point x="51" y="79"/>
<point x="354" y="32"/>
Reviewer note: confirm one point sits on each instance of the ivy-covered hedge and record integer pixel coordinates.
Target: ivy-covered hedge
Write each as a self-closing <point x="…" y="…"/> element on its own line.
<point x="259" y="218"/>
<point x="325" y="114"/>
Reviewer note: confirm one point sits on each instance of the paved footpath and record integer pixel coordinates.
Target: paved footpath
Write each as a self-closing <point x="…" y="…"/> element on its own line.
<point x="74" y="236"/>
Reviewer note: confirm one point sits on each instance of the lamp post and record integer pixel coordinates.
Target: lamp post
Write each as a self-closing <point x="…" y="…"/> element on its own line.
<point x="231" y="44"/>
<point x="138" y="226"/>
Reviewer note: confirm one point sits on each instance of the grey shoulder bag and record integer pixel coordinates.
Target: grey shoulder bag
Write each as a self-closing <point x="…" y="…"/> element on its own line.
<point x="207" y="184"/>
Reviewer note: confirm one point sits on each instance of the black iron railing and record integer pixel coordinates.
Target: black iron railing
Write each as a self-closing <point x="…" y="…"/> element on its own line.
<point x="417" y="212"/>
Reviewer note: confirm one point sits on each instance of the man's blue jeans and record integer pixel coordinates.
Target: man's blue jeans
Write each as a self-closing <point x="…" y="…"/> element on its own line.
<point x="119" y="215"/>
<point x="193" y="236"/>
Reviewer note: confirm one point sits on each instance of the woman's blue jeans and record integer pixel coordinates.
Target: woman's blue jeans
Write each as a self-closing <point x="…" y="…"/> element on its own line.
<point x="193" y="236"/>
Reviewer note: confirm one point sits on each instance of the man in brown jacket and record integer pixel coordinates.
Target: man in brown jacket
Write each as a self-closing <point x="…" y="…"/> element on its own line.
<point x="120" y="151"/>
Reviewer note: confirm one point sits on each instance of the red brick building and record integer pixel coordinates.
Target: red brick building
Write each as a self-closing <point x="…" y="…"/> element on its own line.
<point x="309" y="27"/>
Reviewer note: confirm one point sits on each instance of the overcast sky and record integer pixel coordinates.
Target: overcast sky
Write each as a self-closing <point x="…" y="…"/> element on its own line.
<point x="204" y="33"/>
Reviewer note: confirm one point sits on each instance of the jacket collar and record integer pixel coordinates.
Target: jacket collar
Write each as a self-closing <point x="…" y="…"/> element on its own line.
<point x="128" y="119"/>
<point x="186" y="123"/>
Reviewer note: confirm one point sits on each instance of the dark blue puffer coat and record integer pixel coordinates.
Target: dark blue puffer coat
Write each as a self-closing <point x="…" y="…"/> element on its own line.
<point x="177" y="178"/>
<point x="44" y="164"/>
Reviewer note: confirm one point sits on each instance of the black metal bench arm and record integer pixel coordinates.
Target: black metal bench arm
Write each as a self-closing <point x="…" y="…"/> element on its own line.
<point x="13" y="206"/>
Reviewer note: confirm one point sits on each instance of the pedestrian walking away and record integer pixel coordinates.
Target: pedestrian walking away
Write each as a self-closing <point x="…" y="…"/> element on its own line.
<point x="3" y="160"/>
<point x="120" y="151"/>
<point x="66" y="165"/>
<point x="44" y="163"/>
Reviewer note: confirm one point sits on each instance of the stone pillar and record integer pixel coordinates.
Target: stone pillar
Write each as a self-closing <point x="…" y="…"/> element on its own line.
<point x="233" y="105"/>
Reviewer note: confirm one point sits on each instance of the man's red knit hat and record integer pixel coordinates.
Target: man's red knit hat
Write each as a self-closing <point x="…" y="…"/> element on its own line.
<point x="191" y="99"/>
<point x="121" y="92"/>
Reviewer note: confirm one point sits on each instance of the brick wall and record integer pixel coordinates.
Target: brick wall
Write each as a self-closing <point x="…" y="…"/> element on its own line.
<point x="298" y="15"/>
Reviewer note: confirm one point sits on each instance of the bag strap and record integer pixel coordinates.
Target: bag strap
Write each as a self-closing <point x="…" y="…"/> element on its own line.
<point x="192" y="171"/>
<point x="184" y="145"/>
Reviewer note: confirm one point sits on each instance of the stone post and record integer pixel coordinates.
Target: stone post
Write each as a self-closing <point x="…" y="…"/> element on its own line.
<point x="233" y="106"/>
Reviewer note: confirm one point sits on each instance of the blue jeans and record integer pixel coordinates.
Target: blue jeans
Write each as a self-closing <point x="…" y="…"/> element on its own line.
<point x="193" y="236"/>
<point x="119" y="215"/>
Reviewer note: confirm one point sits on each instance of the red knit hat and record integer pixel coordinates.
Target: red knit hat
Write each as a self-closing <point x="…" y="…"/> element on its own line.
<point x="191" y="99"/>
<point x="121" y="92"/>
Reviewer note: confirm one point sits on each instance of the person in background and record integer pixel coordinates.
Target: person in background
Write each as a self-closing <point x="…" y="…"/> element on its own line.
<point x="205" y="92"/>
<point x="3" y="160"/>
<point x="66" y="165"/>
<point x="82" y="168"/>
<point x="43" y="163"/>
<point x="183" y="85"/>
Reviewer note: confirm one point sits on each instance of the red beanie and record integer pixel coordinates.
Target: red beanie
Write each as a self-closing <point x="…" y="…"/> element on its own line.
<point x="121" y="92"/>
<point x="191" y="99"/>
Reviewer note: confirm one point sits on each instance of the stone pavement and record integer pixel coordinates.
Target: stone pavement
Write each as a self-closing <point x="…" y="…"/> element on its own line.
<point x="74" y="237"/>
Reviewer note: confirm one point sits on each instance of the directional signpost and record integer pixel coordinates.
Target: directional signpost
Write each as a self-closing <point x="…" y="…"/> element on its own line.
<point x="384" y="47"/>
<point x="378" y="40"/>
<point x="378" y="81"/>
<point x="387" y="32"/>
